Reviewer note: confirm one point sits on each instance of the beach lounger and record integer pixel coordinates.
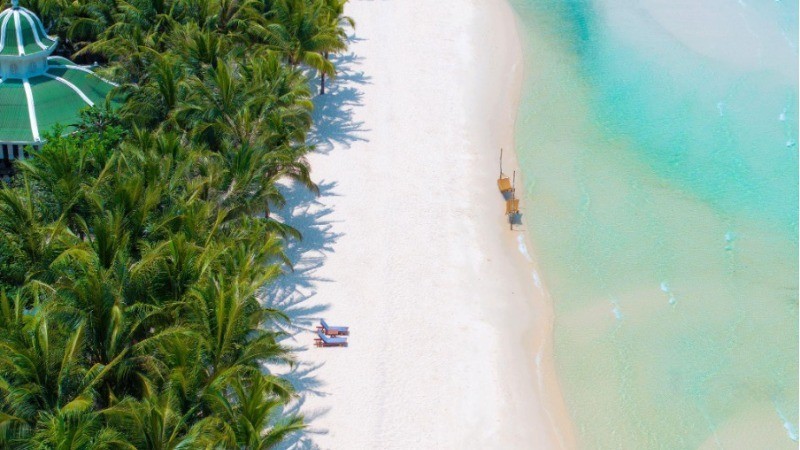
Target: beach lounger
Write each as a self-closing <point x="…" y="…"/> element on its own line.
<point x="332" y="331"/>
<point x="504" y="183"/>
<point x="512" y="206"/>
<point x="325" y="341"/>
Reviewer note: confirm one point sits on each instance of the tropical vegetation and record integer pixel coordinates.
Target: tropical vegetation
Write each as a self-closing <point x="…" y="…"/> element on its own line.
<point x="134" y="251"/>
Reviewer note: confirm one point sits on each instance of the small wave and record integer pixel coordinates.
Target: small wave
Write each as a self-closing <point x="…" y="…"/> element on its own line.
<point x="523" y="248"/>
<point x="536" y="280"/>
<point x="791" y="431"/>
<point x="729" y="238"/>
<point x="665" y="288"/>
<point x="615" y="310"/>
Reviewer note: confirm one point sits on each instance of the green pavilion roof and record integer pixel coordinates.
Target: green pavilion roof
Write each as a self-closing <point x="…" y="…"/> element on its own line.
<point x="39" y="91"/>
<point x="56" y="97"/>
<point x="22" y="33"/>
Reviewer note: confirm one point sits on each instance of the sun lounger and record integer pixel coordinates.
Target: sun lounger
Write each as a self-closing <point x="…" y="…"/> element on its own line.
<point x="512" y="206"/>
<point x="504" y="184"/>
<point x="325" y="341"/>
<point x="332" y="331"/>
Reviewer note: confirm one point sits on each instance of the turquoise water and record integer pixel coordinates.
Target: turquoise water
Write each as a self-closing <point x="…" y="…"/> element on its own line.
<point x="659" y="144"/>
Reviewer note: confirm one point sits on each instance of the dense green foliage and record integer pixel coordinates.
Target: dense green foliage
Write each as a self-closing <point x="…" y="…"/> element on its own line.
<point x="133" y="251"/>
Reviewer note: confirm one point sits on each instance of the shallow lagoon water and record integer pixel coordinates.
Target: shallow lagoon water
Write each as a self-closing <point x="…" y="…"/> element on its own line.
<point x="659" y="146"/>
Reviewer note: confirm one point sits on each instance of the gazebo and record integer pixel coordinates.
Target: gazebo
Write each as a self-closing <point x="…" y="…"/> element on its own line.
<point x="37" y="90"/>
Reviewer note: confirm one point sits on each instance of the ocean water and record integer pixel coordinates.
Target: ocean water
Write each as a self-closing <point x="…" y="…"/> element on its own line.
<point x="658" y="140"/>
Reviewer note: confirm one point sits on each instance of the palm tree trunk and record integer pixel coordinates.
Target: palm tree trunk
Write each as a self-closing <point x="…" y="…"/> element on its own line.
<point x="322" y="85"/>
<point x="266" y="210"/>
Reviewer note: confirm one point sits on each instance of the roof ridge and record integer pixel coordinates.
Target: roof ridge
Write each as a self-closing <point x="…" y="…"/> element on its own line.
<point x="38" y="20"/>
<point x="74" y="66"/>
<point x="3" y="28"/>
<point x="72" y="86"/>
<point x="31" y="110"/>
<point x="34" y="31"/>
<point x="18" y="30"/>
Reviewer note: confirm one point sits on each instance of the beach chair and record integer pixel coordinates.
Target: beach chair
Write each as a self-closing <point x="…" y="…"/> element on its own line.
<point x="325" y="341"/>
<point x="504" y="183"/>
<point x="512" y="206"/>
<point x="332" y="331"/>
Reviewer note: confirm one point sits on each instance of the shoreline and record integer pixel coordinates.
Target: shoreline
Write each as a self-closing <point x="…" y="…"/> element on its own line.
<point x="538" y="337"/>
<point x="408" y="246"/>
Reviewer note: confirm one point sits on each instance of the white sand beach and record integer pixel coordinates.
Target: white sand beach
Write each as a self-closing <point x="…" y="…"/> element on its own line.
<point x="407" y="244"/>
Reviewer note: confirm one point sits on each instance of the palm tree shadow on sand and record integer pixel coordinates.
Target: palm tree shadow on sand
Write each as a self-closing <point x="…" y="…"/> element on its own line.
<point x="303" y="377"/>
<point x="293" y="290"/>
<point x="333" y="112"/>
<point x="334" y="126"/>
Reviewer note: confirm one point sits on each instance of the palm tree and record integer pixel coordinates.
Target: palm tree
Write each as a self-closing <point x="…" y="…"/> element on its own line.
<point x="252" y="408"/>
<point x="336" y="21"/>
<point x="42" y="368"/>
<point x="59" y="172"/>
<point x="158" y="423"/>
<point x="303" y="31"/>
<point x="154" y="96"/>
<point x="27" y="236"/>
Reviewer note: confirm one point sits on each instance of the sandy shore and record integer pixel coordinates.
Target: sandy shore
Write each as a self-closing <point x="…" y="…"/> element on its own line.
<point x="408" y="244"/>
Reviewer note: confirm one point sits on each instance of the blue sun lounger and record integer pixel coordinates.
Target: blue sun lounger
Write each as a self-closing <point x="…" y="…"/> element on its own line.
<point x="325" y="341"/>
<point x="332" y="331"/>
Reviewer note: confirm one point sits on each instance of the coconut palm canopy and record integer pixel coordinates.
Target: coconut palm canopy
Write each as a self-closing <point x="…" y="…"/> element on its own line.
<point x="136" y="253"/>
<point x="37" y="90"/>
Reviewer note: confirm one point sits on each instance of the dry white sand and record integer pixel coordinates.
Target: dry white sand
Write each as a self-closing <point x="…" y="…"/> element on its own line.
<point x="408" y="245"/>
